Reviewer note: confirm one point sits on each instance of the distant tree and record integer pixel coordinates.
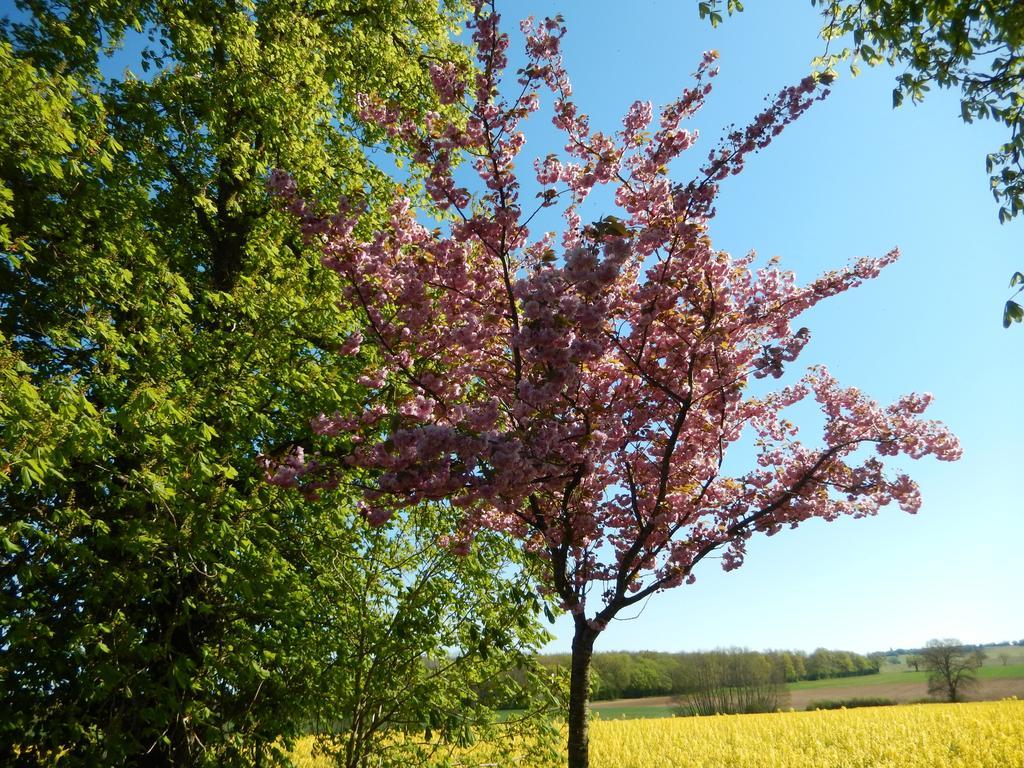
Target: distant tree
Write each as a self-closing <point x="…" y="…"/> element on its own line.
<point x="845" y="664"/>
<point x="980" y="656"/>
<point x="615" y="670"/>
<point x="913" y="660"/>
<point x="783" y="661"/>
<point x="647" y="678"/>
<point x="825" y="663"/>
<point x="732" y="682"/>
<point x="1004" y="658"/>
<point x="820" y="664"/>
<point x="800" y="665"/>
<point x="951" y="666"/>
<point x="862" y="664"/>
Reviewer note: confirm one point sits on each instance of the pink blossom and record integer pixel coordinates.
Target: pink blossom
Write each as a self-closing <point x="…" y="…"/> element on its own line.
<point x="581" y="392"/>
<point x="447" y="82"/>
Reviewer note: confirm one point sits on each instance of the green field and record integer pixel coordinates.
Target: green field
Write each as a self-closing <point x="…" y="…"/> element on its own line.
<point x="635" y="712"/>
<point x="987" y="672"/>
<point x="992" y="670"/>
<point x="999" y="673"/>
<point x="882" y="678"/>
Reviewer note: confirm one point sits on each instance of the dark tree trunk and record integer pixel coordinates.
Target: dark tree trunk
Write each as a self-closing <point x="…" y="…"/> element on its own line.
<point x="579" y="694"/>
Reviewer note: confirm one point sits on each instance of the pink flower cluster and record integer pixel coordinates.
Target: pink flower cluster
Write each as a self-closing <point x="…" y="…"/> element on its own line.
<point x="582" y="396"/>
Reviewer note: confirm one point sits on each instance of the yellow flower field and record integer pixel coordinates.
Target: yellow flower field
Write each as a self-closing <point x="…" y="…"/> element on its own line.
<point x="975" y="735"/>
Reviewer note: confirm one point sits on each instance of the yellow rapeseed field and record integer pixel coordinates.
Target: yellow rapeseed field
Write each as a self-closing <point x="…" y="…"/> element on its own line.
<point x="975" y="735"/>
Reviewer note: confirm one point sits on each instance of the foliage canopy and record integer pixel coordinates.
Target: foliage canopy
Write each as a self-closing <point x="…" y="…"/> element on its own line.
<point x="161" y="324"/>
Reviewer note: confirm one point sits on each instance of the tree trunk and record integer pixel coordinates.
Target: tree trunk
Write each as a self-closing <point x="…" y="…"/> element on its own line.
<point x="579" y="694"/>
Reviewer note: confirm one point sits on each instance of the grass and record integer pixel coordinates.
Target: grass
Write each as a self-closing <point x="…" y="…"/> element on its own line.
<point x="634" y="712"/>
<point x="990" y="671"/>
<point x="998" y="672"/>
<point x="882" y="678"/>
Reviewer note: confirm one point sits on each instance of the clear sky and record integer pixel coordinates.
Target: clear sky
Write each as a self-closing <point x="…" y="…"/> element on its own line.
<point x="853" y="177"/>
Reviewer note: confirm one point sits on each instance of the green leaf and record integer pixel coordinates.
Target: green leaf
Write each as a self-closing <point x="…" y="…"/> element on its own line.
<point x="1012" y="313"/>
<point x="609" y="225"/>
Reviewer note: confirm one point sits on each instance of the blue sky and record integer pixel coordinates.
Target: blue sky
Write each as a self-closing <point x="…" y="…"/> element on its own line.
<point x="851" y="178"/>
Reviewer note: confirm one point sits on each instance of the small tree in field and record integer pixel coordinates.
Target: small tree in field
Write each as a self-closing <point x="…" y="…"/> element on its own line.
<point x="580" y="393"/>
<point x="732" y="682"/>
<point x="951" y="667"/>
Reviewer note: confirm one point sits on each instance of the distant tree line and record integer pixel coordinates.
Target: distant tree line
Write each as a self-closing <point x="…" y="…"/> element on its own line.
<point x="618" y="675"/>
<point x="894" y="654"/>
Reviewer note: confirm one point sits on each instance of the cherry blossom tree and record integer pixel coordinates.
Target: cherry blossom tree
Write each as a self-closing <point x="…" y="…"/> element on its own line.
<point x="580" y="393"/>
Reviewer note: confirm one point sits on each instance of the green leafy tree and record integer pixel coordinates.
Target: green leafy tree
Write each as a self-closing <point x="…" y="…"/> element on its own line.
<point x="418" y="669"/>
<point x="783" y="663"/>
<point x="648" y="677"/>
<point x="843" y="664"/>
<point x="615" y="674"/>
<point x="821" y="664"/>
<point x="800" y="665"/>
<point x="161" y="325"/>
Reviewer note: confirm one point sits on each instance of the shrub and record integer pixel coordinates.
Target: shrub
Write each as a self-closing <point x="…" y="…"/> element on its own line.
<point x="868" y="701"/>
